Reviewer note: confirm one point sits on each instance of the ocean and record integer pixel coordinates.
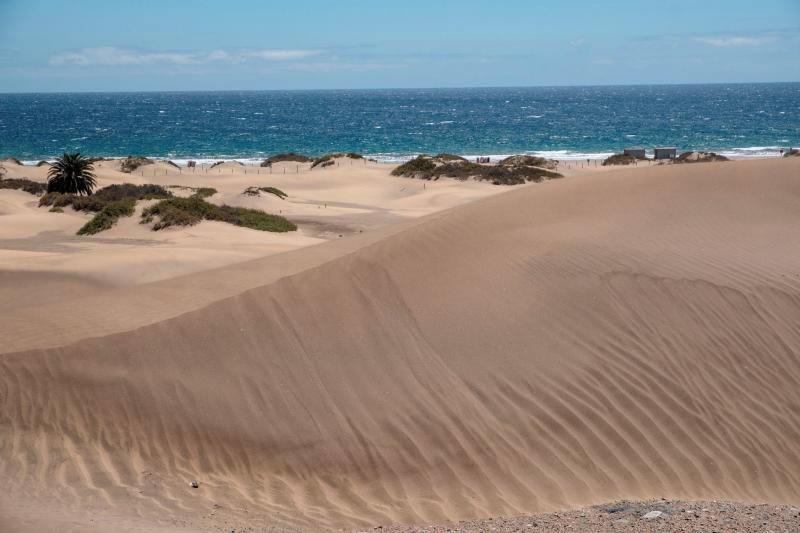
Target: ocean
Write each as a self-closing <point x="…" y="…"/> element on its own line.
<point x="392" y="125"/>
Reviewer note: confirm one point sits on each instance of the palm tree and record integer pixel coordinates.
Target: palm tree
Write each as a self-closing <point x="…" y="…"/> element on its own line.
<point x="71" y="173"/>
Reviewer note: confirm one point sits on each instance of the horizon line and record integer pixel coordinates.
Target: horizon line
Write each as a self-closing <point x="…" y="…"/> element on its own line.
<point x="454" y="87"/>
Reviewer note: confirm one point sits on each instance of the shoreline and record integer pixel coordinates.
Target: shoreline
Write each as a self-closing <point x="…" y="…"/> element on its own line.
<point x="750" y="153"/>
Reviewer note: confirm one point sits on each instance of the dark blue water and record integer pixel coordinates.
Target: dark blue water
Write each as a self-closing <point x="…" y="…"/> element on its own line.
<point x="742" y="119"/>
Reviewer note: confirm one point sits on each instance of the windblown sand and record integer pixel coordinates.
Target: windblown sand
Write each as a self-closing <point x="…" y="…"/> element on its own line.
<point x="625" y="335"/>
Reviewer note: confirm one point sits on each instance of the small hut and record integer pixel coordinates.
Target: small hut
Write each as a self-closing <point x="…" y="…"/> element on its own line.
<point x="636" y="152"/>
<point x="665" y="152"/>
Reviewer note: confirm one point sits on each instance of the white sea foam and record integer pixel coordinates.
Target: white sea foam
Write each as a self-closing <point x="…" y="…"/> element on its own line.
<point x="754" y="151"/>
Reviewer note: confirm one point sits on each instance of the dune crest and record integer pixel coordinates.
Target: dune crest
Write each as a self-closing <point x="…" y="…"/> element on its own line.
<point x="633" y="335"/>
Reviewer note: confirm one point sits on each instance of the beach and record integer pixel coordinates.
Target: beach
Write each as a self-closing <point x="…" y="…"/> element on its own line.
<point x="417" y="353"/>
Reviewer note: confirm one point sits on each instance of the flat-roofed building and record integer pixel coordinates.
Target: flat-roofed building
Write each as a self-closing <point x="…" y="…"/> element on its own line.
<point x="665" y="152"/>
<point x="636" y="152"/>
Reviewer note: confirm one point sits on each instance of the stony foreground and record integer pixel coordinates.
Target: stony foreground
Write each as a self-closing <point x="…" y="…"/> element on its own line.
<point x="656" y="515"/>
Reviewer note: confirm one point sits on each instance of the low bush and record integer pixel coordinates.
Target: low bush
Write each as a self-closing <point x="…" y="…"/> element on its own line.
<point x="426" y="167"/>
<point x="205" y="192"/>
<point x="291" y="156"/>
<point x="56" y="199"/>
<point x="23" y="184"/>
<point x="190" y="211"/>
<point x="619" y="159"/>
<point x="104" y="196"/>
<point x="129" y="190"/>
<point x="328" y="159"/>
<point x="256" y="219"/>
<point x="131" y="163"/>
<point x="420" y="164"/>
<point x="793" y="152"/>
<point x="202" y="192"/>
<point x="256" y="191"/>
<point x="323" y="161"/>
<point x="108" y="216"/>
<point x="450" y="157"/>
<point x="109" y="203"/>
<point x="528" y="161"/>
<point x="42" y="163"/>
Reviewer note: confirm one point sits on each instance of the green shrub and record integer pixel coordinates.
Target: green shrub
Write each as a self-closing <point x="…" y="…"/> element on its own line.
<point x="619" y="159"/>
<point x="104" y="196"/>
<point x="450" y="157"/>
<point x="56" y="199"/>
<point x="24" y="184"/>
<point x="88" y="203"/>
<point x="108" y="216"/>
<point x="131" y="163"/>
<point x="129" y="190"/>
<point x="190" y="211"/>
<point x="205" y="192"/>
<point x="323" y="161"/>
<point x="256" y="191"/>
<point x="420" y="164"/>
<point x="109" y="203"/>
<point x="202" y="192"/>
<point x="528" y="161"/>
<point x="291" y="156"/>
<point x="328" y="159"/>
<point x="274" y="190"/>
<point x="425" y="167"/>
<point x="255" y="219"/>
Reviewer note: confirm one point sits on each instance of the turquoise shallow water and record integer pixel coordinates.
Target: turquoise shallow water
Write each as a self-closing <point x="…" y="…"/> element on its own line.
<point x="578" y="122"/>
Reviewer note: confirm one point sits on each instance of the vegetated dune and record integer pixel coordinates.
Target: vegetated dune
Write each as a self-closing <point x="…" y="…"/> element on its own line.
<point x="632" y="335"/>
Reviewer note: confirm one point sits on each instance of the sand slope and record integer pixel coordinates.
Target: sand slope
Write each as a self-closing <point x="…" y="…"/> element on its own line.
<point x="631" y="335"/>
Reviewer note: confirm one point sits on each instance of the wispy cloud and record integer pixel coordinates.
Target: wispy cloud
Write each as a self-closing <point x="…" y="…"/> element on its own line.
<point x="110" y="56"/>
<point x="732" y="41"/>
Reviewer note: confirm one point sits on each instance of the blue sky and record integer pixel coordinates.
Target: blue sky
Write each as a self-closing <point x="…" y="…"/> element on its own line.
<point x="117" y="45"/>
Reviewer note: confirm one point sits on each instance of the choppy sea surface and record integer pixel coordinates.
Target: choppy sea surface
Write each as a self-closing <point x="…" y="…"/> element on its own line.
<point x="565" y="122"/>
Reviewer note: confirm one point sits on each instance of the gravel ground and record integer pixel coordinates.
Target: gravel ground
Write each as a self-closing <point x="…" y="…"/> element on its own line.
<point x="656" y="515"/>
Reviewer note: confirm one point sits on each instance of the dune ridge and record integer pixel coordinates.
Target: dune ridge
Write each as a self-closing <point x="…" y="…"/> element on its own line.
<point x="630" y="336"/>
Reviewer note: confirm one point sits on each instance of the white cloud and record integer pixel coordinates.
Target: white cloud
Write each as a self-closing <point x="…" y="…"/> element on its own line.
<point x="111" y="56"/>
<point x="281" y="55"/>
<point x="725" y="42"/>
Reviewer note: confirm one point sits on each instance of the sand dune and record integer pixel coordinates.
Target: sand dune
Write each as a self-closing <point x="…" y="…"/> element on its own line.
<point x="632" y="334"/>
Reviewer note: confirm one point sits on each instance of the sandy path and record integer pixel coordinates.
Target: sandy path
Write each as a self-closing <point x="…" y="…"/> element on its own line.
<point x="628" y="336"/>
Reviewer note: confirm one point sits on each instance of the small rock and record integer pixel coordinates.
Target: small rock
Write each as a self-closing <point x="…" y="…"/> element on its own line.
<point x="652" y="514"/>
<point x="194" y="484"/>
